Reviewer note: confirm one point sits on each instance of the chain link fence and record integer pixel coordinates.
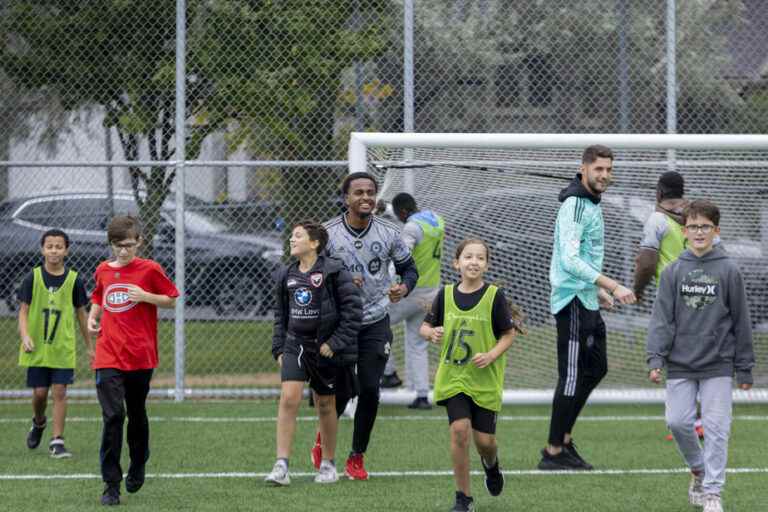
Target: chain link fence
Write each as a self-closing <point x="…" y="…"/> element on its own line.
<point x="271" y="90"/>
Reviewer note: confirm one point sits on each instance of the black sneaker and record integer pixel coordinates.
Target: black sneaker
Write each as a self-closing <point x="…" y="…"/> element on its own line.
<point x="463" y="503"/>
<point x="35" y="434"/>
<point x="571" y="449"/>
<point x="391" y="381"/>
<point x="135" y="478"/>
<point x="111" y="495"/>
<point x="494" y="479"/>
<point x="57" y="450"/>
<point x="563" y="461"/>
<point x="421" y="403"/>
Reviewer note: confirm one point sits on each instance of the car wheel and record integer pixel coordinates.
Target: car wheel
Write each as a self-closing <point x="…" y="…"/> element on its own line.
<point x="239" y="295"/>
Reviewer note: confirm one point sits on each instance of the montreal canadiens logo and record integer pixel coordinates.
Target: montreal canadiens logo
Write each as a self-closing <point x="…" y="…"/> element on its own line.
<point x="302" y="296"/>
<point x="116" y="298"/>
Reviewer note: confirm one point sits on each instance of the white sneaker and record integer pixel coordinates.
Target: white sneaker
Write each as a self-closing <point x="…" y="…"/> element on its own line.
<point x="279" y="474"/>
<point x="695" y="491"/>
<point x="712" y="503"/>
<point x="327" y="473"/>
<point x="349" y="410"/>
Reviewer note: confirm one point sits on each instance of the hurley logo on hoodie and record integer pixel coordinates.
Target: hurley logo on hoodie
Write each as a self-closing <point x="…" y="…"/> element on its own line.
<point x="699" y="289"/>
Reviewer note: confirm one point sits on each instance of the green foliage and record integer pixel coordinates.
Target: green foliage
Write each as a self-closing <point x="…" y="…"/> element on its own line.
<point x="266" y="72"/>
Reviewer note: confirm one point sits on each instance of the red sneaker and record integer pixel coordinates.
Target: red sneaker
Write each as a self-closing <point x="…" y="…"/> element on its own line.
<point x="317" y="452"/>
<point x="355" y="469"/>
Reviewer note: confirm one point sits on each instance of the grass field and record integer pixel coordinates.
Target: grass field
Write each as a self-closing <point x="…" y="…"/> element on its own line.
<point x="214" y="455"/>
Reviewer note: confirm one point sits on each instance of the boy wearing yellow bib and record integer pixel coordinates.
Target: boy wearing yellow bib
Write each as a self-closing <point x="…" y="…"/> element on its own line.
<point x="50" y="298"/>
<point x="472" y="322"/>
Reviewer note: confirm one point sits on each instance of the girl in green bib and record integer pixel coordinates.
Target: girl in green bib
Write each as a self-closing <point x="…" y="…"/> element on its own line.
<point x="472" y="323"/>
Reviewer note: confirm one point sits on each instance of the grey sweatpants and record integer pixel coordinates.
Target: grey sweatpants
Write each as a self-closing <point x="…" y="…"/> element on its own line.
<point x="716" y="405"/>
<point x="412" y="309"/>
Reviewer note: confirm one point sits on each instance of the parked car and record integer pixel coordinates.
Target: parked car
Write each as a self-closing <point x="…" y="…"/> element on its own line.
<point x="232" y="272"/>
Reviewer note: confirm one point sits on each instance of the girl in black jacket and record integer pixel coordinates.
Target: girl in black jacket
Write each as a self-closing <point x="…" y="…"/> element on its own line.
<point x="317" y="316"/>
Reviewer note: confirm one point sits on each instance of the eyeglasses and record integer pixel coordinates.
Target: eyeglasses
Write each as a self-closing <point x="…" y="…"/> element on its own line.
<point x="127" y="246"/>
<point x="701" y="228"/>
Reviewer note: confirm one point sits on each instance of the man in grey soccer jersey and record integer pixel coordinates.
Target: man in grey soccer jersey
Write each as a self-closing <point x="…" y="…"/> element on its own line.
<point x="367" y="245"/>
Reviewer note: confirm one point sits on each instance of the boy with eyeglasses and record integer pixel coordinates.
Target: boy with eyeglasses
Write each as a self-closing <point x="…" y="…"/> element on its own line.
<point x="701" y="333"/>
<point x="124" y="316"/>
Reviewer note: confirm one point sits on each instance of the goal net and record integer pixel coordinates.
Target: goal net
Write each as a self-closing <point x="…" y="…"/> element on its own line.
<point x="504" y="189"/>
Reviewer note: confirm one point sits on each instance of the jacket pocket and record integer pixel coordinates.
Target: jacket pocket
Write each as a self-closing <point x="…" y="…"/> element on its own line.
<point x="694" y="351"/>
<point x="727" y="345"/>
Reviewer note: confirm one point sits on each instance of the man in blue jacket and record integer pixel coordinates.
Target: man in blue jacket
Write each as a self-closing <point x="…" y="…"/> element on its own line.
<point x="578" y="290"/>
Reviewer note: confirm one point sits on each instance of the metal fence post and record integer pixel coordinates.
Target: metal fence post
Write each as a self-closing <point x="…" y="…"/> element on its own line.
<point x="671" y="79"/>
<point x="408" y="86"/>
<point x="181" y="25"/>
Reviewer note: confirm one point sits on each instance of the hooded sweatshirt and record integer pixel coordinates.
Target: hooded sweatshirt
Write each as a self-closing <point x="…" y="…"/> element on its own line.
<point x="700" y="326"/>
<point x="578" y="250"/>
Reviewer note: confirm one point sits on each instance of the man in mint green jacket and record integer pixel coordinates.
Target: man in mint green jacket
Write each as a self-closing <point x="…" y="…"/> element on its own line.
<point x="578" y="290"/>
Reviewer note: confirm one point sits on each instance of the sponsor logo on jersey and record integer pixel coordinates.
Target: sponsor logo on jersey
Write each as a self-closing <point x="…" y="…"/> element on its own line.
<point x="302" y="296"/>
<point x="358" y="244"/>
<point x="374" y="266"/>
<point x="376" y="247"/>
<point x="291" y="283"/>
<point x="316" y="279"/>
<point x="116" y="298"/>
<point x="354" y="268"/>
<point x="699" y="289"/>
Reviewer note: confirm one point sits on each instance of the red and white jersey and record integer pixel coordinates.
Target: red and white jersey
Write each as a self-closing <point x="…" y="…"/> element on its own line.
<point x="128" y="337"/>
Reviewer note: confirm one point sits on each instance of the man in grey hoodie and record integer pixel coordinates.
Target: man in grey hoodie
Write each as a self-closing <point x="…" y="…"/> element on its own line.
<point x="701" y="332"/>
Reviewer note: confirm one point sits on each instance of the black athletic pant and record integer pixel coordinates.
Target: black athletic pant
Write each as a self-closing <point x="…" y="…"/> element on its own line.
<point x="120" y="391"/>
<point x="581" y="364"/>
<point x="373" y="344"/>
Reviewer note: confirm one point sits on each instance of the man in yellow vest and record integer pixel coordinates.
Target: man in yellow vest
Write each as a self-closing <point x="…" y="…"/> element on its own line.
<point x="663" y="239"/>
<point x="423" y="233"/>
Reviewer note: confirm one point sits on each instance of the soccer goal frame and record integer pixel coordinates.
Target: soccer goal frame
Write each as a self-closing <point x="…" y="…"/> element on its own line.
<point x="360" y="161"/>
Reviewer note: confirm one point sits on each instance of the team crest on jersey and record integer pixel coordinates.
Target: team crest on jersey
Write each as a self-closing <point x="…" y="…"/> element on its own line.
<point x="374" y="266"/>
<point x="376" y="247"/>
<point x="316" y="279"/>
<point x="116" y="298"/>
<point x="302" y="296"/>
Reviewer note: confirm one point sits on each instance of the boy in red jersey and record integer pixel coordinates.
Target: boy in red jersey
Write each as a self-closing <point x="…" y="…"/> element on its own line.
<point x="128" y="292"/>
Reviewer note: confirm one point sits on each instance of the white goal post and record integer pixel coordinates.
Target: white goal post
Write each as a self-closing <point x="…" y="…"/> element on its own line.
<point x="497" y="171"/>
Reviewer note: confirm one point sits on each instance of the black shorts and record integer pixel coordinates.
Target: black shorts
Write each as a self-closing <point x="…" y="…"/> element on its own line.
<point x="306" y="365"/>
<point x="462" y="406"/>
<point x="43" y="377"/>
<point x="374" y="341"/>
